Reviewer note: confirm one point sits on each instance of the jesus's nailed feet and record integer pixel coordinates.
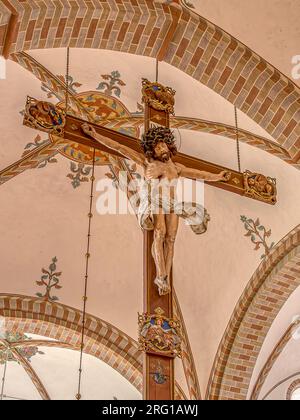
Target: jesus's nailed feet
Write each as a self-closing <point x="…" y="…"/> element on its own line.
<point x="163" y="285"/>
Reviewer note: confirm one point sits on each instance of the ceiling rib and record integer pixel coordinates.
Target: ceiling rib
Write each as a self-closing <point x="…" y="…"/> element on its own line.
<point x="11" y="30"/>
<point x="28" y="369"/>
<point x="170" y="34"/>
<point x="58" y="87"/>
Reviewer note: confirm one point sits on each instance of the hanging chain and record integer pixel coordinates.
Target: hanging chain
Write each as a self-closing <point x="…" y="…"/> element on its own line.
<point x="67" y="95"/>
<point x="87" y="256"/>
<point x="237" y="139"/>
<point x="4" y="376"/>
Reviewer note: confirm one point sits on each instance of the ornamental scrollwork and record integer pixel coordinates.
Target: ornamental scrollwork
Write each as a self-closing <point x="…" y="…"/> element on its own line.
<point x="260" y="187"/>
<point x="158" y="96"/>
<point x="44" y="116"/>
<point x="159" y="334"/>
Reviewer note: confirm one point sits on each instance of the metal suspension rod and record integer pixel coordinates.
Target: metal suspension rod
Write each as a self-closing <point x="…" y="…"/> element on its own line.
<point x="87" y="255"/>
<point x="67" y="95"/>
<point x="237" y="139"/>
<point x="4" y="376"/>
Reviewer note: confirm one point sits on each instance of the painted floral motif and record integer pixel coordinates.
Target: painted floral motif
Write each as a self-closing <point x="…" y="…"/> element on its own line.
<point x="38" y="142"/>
<point x="50" y="93"/>
<point x="49" y="280"/>
<point x="140" y="109"/>
<point x="113" y="177"/>
<point x="112" y="84"/>
<point x="45" y="163"/>
<point x="79" y="174"/>
<point x="73" y="86"/>
<point x="258" y="235"/>
<point x="6" y="355"/>
<point x="99" y="107"/>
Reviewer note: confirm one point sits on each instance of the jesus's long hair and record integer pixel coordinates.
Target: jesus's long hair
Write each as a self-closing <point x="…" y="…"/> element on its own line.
<point x="156" y="135"/>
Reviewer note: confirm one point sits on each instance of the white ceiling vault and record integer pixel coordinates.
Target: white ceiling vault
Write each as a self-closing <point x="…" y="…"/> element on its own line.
<point x="57" y="370"/>
<point x="43" y="213"/>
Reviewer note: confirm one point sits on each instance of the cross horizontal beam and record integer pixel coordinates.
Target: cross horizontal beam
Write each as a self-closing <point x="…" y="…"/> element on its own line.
<point x="74" y="133"/>
<point x="46" y="117"/>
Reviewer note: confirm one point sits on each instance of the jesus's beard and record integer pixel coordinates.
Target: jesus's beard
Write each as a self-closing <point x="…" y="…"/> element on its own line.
<point x="165" y="157"/>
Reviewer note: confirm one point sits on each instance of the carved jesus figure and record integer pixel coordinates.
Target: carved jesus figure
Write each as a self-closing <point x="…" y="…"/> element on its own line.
<point x="158" y="149"/>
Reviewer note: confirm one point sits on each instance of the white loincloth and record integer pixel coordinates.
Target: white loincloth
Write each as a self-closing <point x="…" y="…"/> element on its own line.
<point x="151" y="202"/>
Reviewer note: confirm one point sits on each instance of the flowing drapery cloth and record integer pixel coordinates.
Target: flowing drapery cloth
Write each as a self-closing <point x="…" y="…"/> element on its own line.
<point x="152" y="201"/>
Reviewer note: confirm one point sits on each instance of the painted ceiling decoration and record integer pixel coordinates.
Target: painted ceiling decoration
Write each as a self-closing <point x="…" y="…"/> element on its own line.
<point x="258" y="235"/>
<point x="260" y="91"/>
<point x="288" y="335"/>
<point x="293" y="387"/>
<point x="79" y="173"/>
<point x="6" y="355"/>
<point x="36" y="144"/>
<point x="36" y="158"/>
<point x="60" y="324"/>
<point x="50" y="281"/>
<point x="57" y="88"/>
<point x="238" y="350"/>
<point x="99" y="106"/>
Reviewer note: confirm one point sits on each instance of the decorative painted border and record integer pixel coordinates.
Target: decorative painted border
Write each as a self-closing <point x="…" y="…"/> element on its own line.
<point x="272" y="360"/>
<point x="187" y="354"/>
<point x="185" y="123"/>
<point x="32" y="159"/>
<point x="293" y="387"/>
<point x="60" y="322"/>
<point x="194" y="45"/>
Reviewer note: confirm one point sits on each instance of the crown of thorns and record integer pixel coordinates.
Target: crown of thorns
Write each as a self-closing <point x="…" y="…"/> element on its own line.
<point x="156" y="135"/>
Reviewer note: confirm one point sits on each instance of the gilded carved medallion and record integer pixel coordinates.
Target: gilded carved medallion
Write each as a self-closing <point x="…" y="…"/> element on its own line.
<point x="44" y="116"/>
<point x="159" y="334"/>
<point x="260" y="187"/>
<point x="158" y="96"/>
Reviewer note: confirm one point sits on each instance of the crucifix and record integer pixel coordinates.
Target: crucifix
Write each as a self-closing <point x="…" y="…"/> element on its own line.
<point x="157" y="155"/>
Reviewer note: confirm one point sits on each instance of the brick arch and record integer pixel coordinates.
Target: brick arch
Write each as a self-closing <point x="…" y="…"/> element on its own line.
<point x="292" y="388"/>
<point x="269" y="288"/>
<point x="172" y="33"/>
<point x="62" y="323"/>
<point x="185" y="123"/>
<point x="272" y="359"/>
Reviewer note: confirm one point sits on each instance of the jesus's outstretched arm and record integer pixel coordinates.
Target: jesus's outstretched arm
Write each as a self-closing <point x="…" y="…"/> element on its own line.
<point x="128" y="153"/>
<point x="206" y="176"/>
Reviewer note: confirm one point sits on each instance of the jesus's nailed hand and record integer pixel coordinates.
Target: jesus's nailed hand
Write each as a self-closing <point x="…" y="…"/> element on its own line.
<point x="88" y="129"/>
<point x="225" y="176"/>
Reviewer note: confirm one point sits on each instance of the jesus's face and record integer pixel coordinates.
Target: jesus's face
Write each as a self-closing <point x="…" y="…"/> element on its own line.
<point x="162" y="152"/>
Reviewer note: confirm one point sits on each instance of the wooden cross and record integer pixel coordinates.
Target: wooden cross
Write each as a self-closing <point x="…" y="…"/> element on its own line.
<point x="252" y="185"/>
<point x="158" y="363"/>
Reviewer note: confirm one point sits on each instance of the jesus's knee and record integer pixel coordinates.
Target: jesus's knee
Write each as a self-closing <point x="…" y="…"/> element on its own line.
<point x="160" y="234"/>
<point x="171" y="238"/>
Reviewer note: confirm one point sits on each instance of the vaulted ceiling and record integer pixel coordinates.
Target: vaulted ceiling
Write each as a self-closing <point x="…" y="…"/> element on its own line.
<point x="44" y="210"/>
